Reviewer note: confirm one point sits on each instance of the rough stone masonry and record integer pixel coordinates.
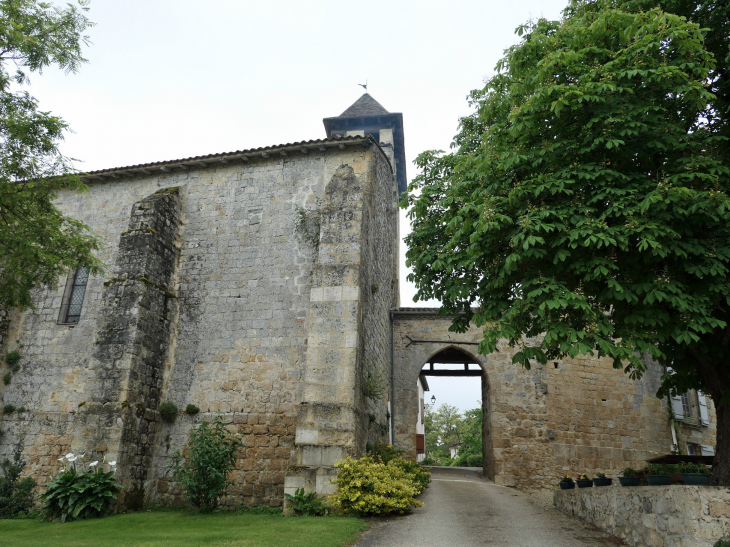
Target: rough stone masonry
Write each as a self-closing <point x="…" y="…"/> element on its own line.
<point x="257" y="285"/>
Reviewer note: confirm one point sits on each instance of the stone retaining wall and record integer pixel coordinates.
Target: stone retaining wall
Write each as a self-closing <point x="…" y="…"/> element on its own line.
<point x="657" y="516"/>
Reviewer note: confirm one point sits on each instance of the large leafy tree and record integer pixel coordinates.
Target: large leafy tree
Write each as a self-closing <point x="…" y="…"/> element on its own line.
<point x="586" y="198"/>
<point x="37" y="242"/>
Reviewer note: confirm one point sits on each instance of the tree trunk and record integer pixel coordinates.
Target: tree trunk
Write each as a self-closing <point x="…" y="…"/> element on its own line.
<point x="716" y="382"/>
<point x="721" y="468"/>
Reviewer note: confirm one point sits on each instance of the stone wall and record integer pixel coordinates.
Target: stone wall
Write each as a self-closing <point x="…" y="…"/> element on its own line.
<point x="567" y="417"/>
<point x="380" y="295"/>
<point x="353" y="289"/>
<point x="133" y="339"/>
<point x="660" y="516"/>
<point x="235" y="330"/>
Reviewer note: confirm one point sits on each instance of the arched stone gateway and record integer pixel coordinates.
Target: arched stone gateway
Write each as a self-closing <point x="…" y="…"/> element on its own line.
<point x="570" y="416"/>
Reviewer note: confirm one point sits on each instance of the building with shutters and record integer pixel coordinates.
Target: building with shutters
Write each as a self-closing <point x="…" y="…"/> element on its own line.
<point x="261" y="286"/>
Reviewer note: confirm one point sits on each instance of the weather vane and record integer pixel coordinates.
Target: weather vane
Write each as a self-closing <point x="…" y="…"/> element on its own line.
<point x="365" y="85"/>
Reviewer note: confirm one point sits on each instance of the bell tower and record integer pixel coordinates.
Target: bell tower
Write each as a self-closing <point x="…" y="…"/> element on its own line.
<point x="366" y="116"/>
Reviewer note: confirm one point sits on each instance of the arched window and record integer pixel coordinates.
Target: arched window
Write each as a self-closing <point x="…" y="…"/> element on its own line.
<point x="73" y="296"/>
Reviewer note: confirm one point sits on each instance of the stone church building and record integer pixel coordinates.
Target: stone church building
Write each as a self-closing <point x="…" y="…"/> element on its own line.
<point x="261" y="286"/>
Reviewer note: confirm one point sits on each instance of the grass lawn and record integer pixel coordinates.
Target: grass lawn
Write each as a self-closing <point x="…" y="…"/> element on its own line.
<point x="184" y="529"/>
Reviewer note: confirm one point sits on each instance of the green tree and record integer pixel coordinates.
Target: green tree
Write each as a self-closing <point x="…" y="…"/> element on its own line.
<point x="444" y="430"/>
<point x="434" y="449"/>
<point x="37" y="242"/>
<point x="586" y="198"/>
<point x="470" y="452"/>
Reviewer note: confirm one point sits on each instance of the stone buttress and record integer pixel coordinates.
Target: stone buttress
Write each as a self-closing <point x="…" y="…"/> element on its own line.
<point x="335" y="419"/>
<point x="133" y="337"/>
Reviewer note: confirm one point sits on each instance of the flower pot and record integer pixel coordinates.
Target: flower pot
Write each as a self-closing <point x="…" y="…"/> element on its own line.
<point x="567" y="485"/>
<point x="603" y="482"/>
<point x="629" y="481"/>
<point x="695" y="479"/>
<point x="585" y="484"/>
<point x="658" y="480"/>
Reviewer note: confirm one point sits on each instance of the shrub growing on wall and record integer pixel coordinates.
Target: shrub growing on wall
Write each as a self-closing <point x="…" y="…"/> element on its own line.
<point x="203" y="475"/>
<point x="16" y="496"/>
<point x="168" y="411"/>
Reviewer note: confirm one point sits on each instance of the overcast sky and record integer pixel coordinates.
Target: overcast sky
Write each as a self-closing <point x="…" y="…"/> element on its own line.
<point x="172" y="79"/>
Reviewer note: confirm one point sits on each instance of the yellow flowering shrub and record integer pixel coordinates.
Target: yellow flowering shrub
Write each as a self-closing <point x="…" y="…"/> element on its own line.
<point x="369" y="487"/>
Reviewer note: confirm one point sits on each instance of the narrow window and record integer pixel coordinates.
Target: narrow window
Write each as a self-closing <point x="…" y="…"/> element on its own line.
<point x="685" y="404"/>
<point x="73" y="296"/>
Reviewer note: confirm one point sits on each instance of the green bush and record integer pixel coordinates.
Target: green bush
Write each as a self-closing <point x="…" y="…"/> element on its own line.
<point x="16" y="496"/>
<point x="384" y="452"/>
<point x="415" y="470"/>
<point x="203" y="475"/>
<point x="428" y="460"/>
<point x="9" y="409"/>
<point x="168" y="411"/>
<point x="475" y="460"/>
<point x="370" y="487"/>
<point x="192" y="410"/>
<point x="307" y="505"/>
<point x="722" y="543"/>
<point x="12" y="358"/>
<point x="74" y="494"/>
<point x="6" y="378"/>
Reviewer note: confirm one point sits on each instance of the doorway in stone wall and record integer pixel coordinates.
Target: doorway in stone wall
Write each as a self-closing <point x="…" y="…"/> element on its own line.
<point x="453" y="392"/>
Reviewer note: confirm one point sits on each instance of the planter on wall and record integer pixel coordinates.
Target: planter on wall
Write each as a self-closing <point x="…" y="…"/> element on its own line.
<point x="658" y="480"/>
<point x="585" y="484"/>
<point x="695" y="479"/>
<point x="567" y="485"/>
<point x="603" y="482"/>
<point x="629" y="481"/>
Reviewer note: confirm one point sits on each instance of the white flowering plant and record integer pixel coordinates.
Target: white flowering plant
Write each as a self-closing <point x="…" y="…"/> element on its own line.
<point x="76" y="494"/>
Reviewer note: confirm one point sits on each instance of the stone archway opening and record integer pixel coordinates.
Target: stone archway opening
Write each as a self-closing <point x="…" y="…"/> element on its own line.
<point x="456" y="377"/>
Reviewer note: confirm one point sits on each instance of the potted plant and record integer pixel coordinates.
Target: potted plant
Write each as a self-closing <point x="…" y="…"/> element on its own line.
<point x="601" y="480"/>
<point x="566" y="483"/>
<point x="630" y="477"/>
<point x="694" y="473"/>
<point x="657" y="475"/>
<point x="584" y="481"/>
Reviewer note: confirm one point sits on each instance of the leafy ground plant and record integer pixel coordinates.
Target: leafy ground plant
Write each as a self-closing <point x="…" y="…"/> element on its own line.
<point x="203" y="475"/>
<point x="16" y="495"/>
<point x="307" y="504"/>
<point x="75" y="494"/>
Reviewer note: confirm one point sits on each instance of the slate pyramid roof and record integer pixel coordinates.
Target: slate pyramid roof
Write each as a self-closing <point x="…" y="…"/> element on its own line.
<point x="364" y="106"/>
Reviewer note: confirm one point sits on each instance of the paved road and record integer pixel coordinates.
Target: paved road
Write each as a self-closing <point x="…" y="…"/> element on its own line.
<point x="463" y="510"/>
